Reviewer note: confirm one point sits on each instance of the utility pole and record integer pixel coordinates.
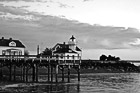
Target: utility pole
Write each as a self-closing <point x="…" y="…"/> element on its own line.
<point x="37" y="49"/>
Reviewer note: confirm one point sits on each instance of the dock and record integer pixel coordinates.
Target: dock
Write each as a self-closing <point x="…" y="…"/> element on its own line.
<point x="33" y="63"/>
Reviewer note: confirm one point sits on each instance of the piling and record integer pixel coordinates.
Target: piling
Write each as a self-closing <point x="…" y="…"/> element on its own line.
<point x="14" y="72"/>
<point x="10" y="71"/>
<point x="36" y="72"/>
<point x="51" y="64"/>
<point x="1" y="72"/>
<point x="62" y="74"/>
<point x="68" y="73"/>
<point x="56" y="73"/>
<point x="33" y="73"/>
<point x="51" y="73"/>
<point x="78" y="73"/>
<point x="26" y="73"/>
<point x="23" y="73"/>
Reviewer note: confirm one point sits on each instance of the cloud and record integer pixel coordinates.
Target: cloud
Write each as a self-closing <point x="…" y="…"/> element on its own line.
<point x="13" y="10"/>
<point x="26" y="20"/>
<point x="102" y="37"/>
<point x="42" y="7"/>
<point x="87" y="0"/>
<point x="17" y="17"/>
<point x="106" y="43"/>
<point x="90" y="36"/>
<point x="136" y="42"/>
<point x="21" y="0"/>
<point x="61" y="5"/>
<point x="13" y="13"/>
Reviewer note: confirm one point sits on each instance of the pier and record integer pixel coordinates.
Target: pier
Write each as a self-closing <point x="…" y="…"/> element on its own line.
<point x="31" y="63"/>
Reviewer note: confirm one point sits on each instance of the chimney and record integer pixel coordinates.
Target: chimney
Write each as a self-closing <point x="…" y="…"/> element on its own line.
<point x="64" y="45"/>
<point x="38" y="50"/>
<point x="2" y="38"/>
<point x="10" y="39"/>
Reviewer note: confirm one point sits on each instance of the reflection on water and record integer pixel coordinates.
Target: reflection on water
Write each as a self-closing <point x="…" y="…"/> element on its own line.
<point x="90" y="83"/>
<point x="42" y="88"/>
<point x="110" y="83"/>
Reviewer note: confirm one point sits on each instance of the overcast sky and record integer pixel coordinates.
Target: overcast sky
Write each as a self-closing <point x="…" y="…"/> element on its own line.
<point x="100" y="26"/>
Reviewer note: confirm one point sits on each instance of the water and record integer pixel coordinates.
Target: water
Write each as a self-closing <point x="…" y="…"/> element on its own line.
<point x="90" y="83"/>
<point x="110" y="83"/>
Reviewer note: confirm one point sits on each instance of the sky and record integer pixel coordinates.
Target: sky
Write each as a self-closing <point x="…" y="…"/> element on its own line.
<point x="110" y="27"/>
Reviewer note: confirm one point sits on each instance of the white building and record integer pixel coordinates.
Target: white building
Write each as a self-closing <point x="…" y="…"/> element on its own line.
<point x="68" y="51"/>
<point x="11" y="47"/>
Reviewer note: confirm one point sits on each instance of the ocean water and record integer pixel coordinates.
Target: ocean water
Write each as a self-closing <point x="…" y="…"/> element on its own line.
<point x="90" y="83"/>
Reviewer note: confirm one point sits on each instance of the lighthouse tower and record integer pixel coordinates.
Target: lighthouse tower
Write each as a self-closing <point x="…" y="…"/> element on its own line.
<point x="72" y="43"/>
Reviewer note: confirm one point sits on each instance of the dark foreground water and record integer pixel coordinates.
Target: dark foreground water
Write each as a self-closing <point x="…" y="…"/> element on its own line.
<point x="90" y="83"/>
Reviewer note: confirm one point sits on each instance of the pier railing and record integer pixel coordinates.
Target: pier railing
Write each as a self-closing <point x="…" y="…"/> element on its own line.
<point x="34" y="62"/>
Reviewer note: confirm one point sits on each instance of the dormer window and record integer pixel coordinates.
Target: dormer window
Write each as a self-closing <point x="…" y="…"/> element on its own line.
<point x="12" y="44"/>
<point x="57" y="48"/>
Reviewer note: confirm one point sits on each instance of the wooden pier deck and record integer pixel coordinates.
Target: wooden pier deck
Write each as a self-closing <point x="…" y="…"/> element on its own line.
<point x="33" y="63"/>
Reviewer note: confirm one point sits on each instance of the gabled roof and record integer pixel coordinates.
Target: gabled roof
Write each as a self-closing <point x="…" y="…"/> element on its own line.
<point x="5" y="42"/>
<point x="64" y="50"/>
<point x="78" y="49"/>
<point x="61" y="45"/>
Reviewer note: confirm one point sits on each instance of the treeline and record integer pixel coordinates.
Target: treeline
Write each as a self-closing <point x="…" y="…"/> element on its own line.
<point x="109" y="58"/>
<point x="109" y="67"/>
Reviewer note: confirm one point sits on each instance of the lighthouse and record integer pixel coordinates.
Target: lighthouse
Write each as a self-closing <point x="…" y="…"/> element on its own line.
<point x="72" y="43"/>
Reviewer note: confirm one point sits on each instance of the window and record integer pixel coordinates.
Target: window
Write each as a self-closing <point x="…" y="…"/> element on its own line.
<point x="57" y="55"/>
<point x="14" y="52"/>
<point x="3" y="52"/>
<point x="78" y="56"/>
<point x="67" y="56"/>
<point x="72" y="56"/>
<point x="61" y="55"/>
<point x="20" y="52"/>
<point x="12" y="44"/>
<point x="57" y="48"/>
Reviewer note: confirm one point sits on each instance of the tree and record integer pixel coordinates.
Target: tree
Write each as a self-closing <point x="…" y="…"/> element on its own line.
<point x="103" y="57"/>
<point x="117" y="58"/>
<point x="109" y="58"/>
<point x="26" y="53"/>
<point x="47" y="52"/>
